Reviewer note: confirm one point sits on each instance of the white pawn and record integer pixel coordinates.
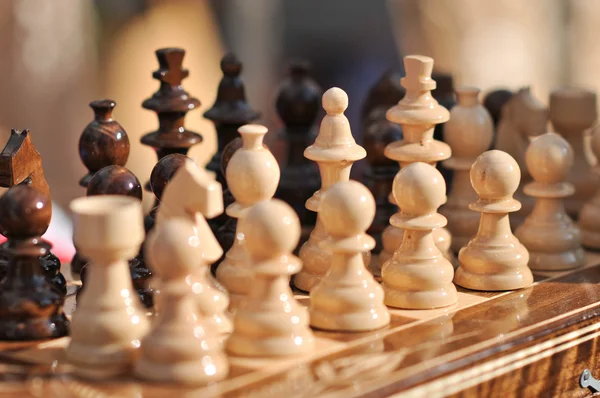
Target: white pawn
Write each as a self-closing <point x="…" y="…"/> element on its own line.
<point x="469" y="133"/>
<point x="203" y="198"/>
<point x="589" y="218"/>
<point x="549" y="234"/>
<point x="494" y="259"/>
<point x="335" y="151"/>
<point x="252" y="176"/>
<point x="348" y="299"/>
<point x="270" y="323"/>
<point x="418" y="276"/>
<point x="180" y="348"/>
<point x="109" y="323"/>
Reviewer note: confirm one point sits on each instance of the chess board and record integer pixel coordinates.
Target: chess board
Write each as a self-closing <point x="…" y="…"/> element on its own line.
<point x="532" y="342"/>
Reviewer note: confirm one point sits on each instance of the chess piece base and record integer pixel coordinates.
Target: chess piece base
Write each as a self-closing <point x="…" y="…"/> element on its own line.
<point x="557" y="261"/>
<point x="280" y="346"/>
<point x="350" y="322"/>
<point x="493" y="282"/>
<point x="420" y="300"/>
<point x="34" y="329"/>
<point x="187" y="373"/>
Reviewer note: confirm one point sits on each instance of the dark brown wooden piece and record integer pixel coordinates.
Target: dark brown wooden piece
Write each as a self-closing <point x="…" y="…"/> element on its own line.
<point x="30" y="306"/>
<point x="118" y="180"/>
<point x="115" y="180"/>
<point x="103" y="142"/>
<point x="298" y="104"/>
<point x="494" y="102"/>
<point x="380" y="173"/>
<point x="21" y="164"/>
<point x="171" y="103"/>
<point x="229" y="112"/>
<point x="386" y="93"/>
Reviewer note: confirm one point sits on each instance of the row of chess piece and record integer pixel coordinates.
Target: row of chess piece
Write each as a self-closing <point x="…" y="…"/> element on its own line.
<point x="192" y="314"/>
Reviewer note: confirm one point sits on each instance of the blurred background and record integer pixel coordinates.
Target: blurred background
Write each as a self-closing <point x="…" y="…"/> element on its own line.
<point x="59" y="55"/>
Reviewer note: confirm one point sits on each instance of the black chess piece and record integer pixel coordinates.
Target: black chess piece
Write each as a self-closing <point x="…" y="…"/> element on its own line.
<point x="298" y="104"/>
<point x="21" y="164"/>
<point x="224" y="228"/>
<point x="494" y="102"/>
<point x="380" y="172"/>
<point x="161" y="174"/>
<point x="31" y="308"/>
<point x="104" y="141"/>
<point x="386" y="93"/>
<point x="445" y="96"/>
<point x="171" y="103"/>
<point x="229" y="112"/>
<point x="117" y="180"/>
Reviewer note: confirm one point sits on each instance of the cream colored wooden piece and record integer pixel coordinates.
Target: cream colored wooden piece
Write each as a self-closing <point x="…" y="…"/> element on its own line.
<point x="335" y="151"/>
<point x="522" y="118"/>
<point x="418" y="276"/>
<point x="549" y="234"/>
<point x="270" y="323"/>
<point x="494" y="259"/>
<point x="469" y="132"/>
<point x="109" y="322"/>
<point x="589" y="218"/>
<point x="183" y="346"/>
<point x="572" y="112"/>
<point x="418" y="113"/>
<point x="252" y="176"/>
<point x="193" y="194"/>
<point x="348" y="299"/>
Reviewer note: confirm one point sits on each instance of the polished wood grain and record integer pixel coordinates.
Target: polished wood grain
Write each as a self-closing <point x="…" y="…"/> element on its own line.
<point x="533" y="342"/>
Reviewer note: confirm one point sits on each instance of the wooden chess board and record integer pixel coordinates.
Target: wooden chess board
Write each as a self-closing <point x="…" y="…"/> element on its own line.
<point x="532" y="342"/>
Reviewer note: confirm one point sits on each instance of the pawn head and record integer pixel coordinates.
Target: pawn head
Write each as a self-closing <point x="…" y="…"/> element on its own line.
<point x="270" y="228"/>
<point x="231" y="66"/>
<point x="495" y="175"/>
<point x="24" y="212"/>
<point x="173" y="248"/>
<point x="115" y="180"/>
<point x="335" y="101"/>
<point x="347" y="209"/>
<point x="419" y="189"/>
<point x="549" y="158"/>
<point x="164" y="170"/>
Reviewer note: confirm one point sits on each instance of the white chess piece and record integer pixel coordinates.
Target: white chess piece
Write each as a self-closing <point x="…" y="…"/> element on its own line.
<point x="270" y="323"/>
<point x="418" y="276"/>
<point x="469" y="133"/>
<point x="589" y="218"/>
<point x="334" y="151"/>
<point x="181" y="347"/>
<point x="252" y="176"/>
<point x="549" y="234"/>
<point x="203" y="198"/>
<point x="109" y="323"/>
<point x="494" y="259"/>
<point x="418" y="113"/>
<point x="348" y="298"/>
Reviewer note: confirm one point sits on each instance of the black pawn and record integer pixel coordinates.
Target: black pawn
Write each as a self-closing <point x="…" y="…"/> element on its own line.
<point x="117" y="180"/>
<point x="386" y="93"/>
<point x="103" y="142"/>
<point x="494" y="101"/>
<point x="31" y="308"/>
<point x="229" y="112"/>
<point x="444" y="94"/>
<point x="298" y="103"/>
<point x="171" y="103"/>
<point x="380" y="172"/>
